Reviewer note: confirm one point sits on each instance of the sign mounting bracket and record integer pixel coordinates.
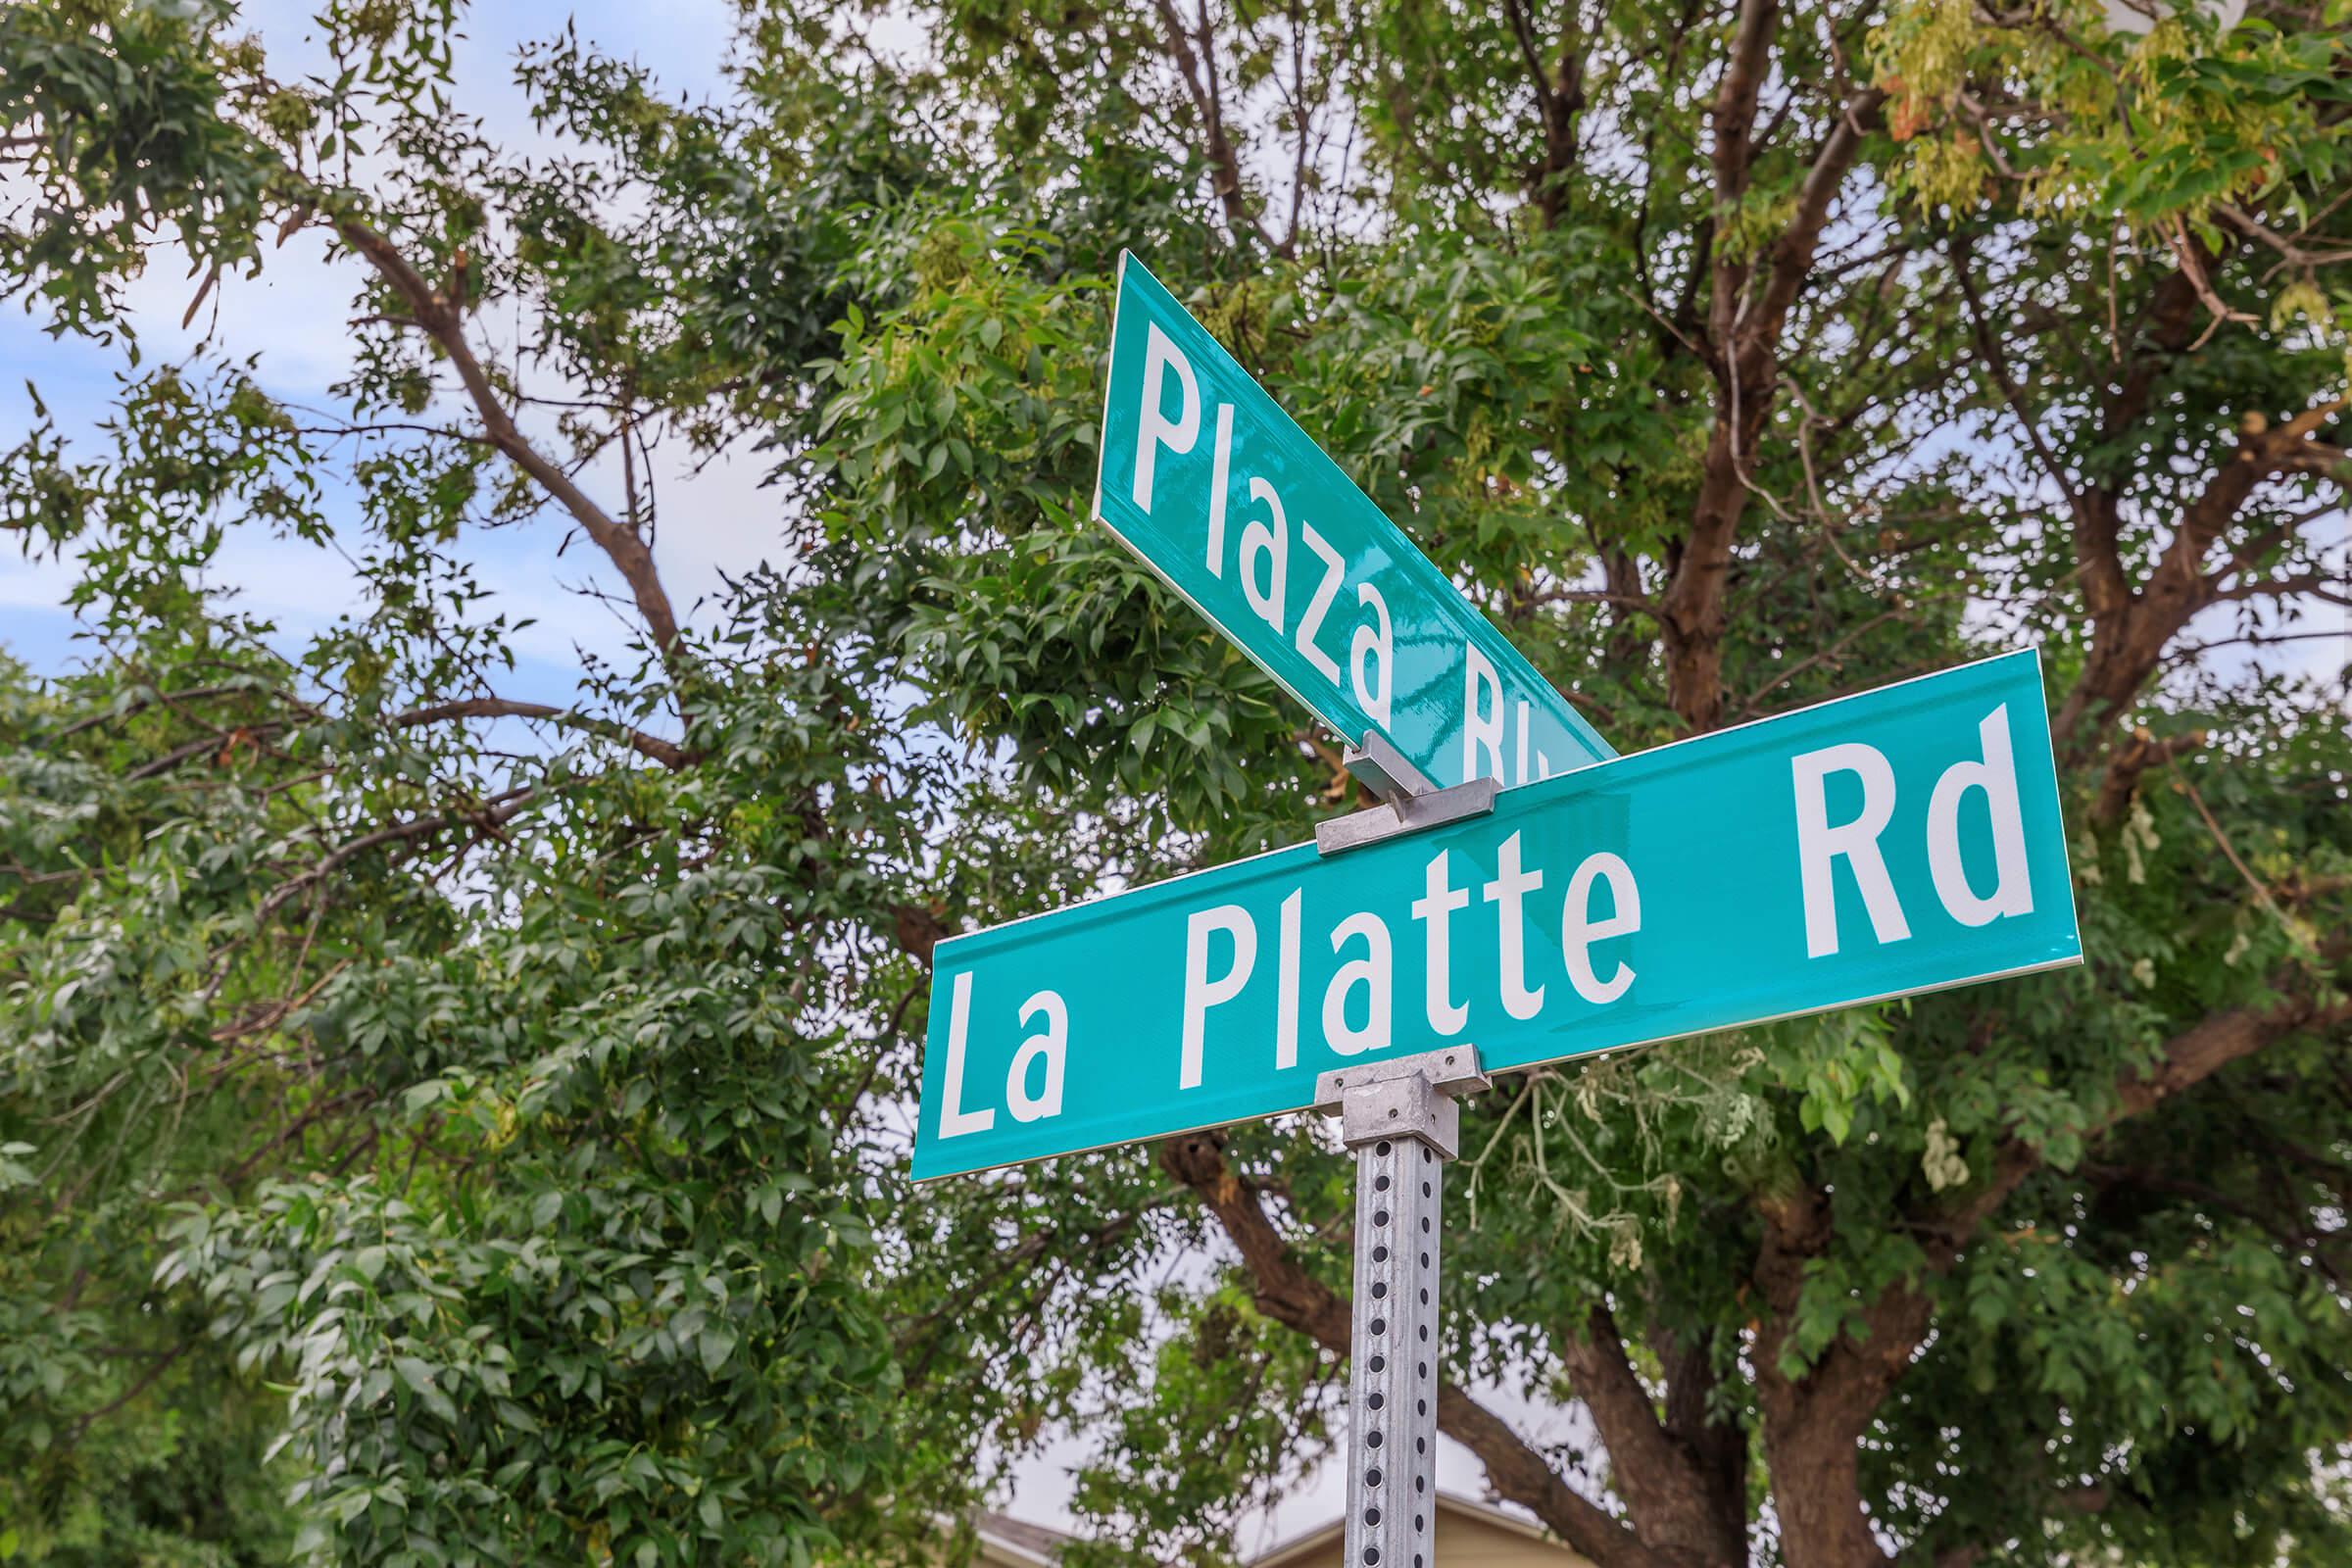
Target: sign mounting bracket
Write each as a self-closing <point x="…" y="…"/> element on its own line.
<point x="1410" y="801"/>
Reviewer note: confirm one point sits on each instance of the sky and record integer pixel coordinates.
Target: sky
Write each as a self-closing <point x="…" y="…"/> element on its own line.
<point x="293" y="315"/>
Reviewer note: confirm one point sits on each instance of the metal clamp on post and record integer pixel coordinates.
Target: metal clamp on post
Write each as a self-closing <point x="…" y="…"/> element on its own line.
<point x="1400" y="1119"/>
<point x="1410" y="801"/>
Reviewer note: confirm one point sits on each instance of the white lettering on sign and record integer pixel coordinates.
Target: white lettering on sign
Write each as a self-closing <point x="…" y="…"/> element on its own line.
<point x="1435" y="909"/>
<point x="1200" y="993"/>
<point x="1264" y="555"/>
<point x="1818" y="843"/>
<point x="1579" y="930"/>
<point x="1050" y="1048"/>
<point x="1509" y="886"/>
<point x="1220" y="482"/>
<point x="1486" y="720"/>
<point x="1374" y="642"/>
<point x="1160" y="356"/>
<point x="1310" y="624"/>
<point x="1358" y="1010"/>
<point x="1481" y="719"/>
<point x="1273" y="546"/>
<point x="1285" y="980"/>
<point x="1997" y="776"/>
<point x="1371" y="972"/>
<point x="1976" y="856"/>
<point x="954" y="1120"/>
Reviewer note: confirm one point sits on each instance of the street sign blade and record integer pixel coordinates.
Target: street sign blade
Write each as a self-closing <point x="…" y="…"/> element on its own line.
<point x="1206" y="480"/>
<point x="1903" y="840"/>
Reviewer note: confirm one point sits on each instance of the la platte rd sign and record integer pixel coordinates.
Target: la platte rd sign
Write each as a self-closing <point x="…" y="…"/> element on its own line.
<point x="1897" y="841"/>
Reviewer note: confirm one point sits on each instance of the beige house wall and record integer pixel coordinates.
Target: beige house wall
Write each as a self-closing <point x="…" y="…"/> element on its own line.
<point x="1468" y="1534"/>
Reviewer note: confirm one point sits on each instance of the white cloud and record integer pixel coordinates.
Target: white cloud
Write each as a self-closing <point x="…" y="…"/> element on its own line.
<point x="295" y="313"/>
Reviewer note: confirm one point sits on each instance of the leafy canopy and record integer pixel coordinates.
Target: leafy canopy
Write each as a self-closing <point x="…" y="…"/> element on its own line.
<point x="440" y="1125"/>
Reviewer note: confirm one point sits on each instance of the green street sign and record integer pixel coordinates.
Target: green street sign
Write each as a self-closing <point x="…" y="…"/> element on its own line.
<point x="1903" y="840"/>
<point x="1216" y="488"/>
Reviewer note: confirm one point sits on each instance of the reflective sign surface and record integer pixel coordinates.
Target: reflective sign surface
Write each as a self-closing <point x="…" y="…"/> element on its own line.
<point x="1216" y="488"/>
<point x="1898" y="841"/>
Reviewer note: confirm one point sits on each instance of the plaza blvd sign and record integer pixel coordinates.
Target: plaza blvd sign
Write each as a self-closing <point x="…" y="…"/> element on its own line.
<point x="1899" y="841"/>
<point x="1214" y="487"/>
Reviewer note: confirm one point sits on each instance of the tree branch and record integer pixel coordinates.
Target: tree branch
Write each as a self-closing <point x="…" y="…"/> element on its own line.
<point x="1672" y="1497"/>
<point x="1794" y="251"/>
<point x="492" y="815"/>
<point x="145" y="1380"/>
<point x="1996" y="366"/>
<point x="1733" y="117"/>
<point x="1744" y="339"/>
<point x="1812" y="1421"/>
<point x="2123" y="770"/>
<point x="1199" y="79"/>
<point x="2131" y="632"/>
<point x="2189" y="1058"/>
<point x="1287" y="1292"/>
<point x="1558" y="100"/>
<point x="668" y="753"/>
<point x="443" y="321"/>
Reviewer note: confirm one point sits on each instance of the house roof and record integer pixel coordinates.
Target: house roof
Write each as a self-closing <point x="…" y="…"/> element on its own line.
<point x="1034" y="1546"/>
<point x="1317" y="1539"/>
<point x="1017" y="1539"/>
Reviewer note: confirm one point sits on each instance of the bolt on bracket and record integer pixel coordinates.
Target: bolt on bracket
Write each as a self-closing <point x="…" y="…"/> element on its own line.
<point x="1410" y="801"/>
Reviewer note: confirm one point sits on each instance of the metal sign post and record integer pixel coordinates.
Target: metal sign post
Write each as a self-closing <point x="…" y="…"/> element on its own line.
<point x="1399" y="1117"/>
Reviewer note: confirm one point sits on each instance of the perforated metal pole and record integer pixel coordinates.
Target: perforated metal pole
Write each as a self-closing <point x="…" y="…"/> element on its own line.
<point x="1400" y="1119"/>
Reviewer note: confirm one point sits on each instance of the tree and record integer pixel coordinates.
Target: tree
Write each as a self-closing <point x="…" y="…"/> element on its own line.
<point x="457" y="1095"/>
<point x="528" y="1111"/>
<point x="1739" y="358"/>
